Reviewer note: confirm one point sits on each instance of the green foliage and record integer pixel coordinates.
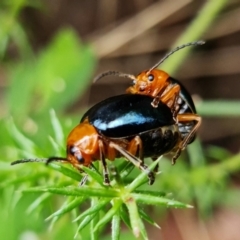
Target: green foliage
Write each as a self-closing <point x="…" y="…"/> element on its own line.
<point x="32" y="193"/>
<point x="11" y="30"/>
<point x="119" y="201"/>
<point x="195" y="30"/>
<point x="62" y="69"/>
<point x="123" y="201"/>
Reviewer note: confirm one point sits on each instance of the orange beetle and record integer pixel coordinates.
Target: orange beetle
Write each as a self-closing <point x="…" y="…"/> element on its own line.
<point x="159" y="85"/>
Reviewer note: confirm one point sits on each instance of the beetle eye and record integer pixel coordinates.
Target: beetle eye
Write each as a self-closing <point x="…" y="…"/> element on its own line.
<point x="73" y="150"/>
<point x="150" y="77"/>
<point x="76" y="153"/>
<point x="79" y="158"/>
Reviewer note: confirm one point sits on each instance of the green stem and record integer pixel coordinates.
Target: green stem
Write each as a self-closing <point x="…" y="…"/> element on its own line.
<point x="219" y="108"/>
<point x="94" y="234"/>
<point x="116" y="220"/>
<point x="109" y="215"/>
<point x="196" y="154"/>
<point x="136" y="222"/>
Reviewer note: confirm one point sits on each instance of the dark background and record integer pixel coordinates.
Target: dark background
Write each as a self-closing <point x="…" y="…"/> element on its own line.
<point x="212" y="72"/>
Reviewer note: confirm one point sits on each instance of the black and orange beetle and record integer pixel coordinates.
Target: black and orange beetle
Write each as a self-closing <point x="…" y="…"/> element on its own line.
<point x="122" y="125"/>
<point x="127" y="125"/>
<point x="163" y="88"/>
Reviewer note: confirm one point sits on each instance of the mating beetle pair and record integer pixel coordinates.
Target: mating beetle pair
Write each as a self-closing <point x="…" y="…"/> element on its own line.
<point x="157" y="117"/>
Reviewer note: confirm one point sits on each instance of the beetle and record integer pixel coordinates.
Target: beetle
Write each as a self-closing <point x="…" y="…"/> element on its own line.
<point x="163" y="88"/>
<point x="122" y="125"/>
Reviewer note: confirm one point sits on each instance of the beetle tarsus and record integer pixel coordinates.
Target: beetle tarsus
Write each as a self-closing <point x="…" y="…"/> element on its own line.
<point x="176" y="156"/>
<point x="155" y="102"/>
<point x="151" y="175"/>
<point x="151" y="178"/>
<point x="106" y="181"/>
<point x="83" y="180"/>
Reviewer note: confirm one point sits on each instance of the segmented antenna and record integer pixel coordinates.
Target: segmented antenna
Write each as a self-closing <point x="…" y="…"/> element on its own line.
<point x="53" y="159"/>
<point x="196" y="43"/>
<point x="115" y="73"/>
<point x="45" y="160"/>
<point x="126" y="75"/>
<point x="29" y="160"/>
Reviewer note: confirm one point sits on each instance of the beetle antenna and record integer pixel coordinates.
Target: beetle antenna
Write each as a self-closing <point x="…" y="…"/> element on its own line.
<point x="45" y="160"/>
<point x="53" y="159"/>
<point x="196" y="43"/>
<point x="29" y="160"/>
<point x="115" y="73"/>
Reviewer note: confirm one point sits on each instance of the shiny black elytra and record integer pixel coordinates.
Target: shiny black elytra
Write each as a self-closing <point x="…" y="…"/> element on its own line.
<point x="124" y="125"/>
<point x="125" y="117"/>
<point x="163" y="119"/>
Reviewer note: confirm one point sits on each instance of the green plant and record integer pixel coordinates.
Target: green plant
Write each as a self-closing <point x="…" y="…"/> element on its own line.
<point x="122" y="198"/>
<point x="54" y="79"/>
<point x="12" y="30"/>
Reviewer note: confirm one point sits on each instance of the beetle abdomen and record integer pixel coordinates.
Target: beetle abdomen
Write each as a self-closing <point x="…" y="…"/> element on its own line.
<point x="159" y="141"/>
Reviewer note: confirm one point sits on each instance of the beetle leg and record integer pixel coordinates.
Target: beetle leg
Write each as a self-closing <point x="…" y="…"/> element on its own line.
<point x="136" y="161"/>
<point x="104" y="163"/>
<point x="157" y="166"/>
<point x="176" y="155"/>
<point x="135" y="147"/>
<point x="187" y="117"/>
<point x="155" y="102"/>
<point x="169" y="97"/>
<point x="83" y="180"/>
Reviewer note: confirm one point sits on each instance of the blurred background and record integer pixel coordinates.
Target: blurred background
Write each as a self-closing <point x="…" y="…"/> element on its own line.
<point x="50" y="52"/>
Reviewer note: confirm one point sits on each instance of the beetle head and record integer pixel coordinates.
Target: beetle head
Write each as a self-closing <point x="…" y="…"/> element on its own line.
<point x="150" y="83"/>
<point x="82" y="148"/>
<point x="82" y="145"/>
